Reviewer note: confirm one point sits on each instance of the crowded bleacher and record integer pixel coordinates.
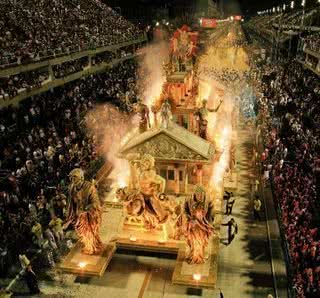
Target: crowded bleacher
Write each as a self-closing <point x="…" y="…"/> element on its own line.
<point x="291" y="158"/>
<point x="36" y="30"/>
<point x="313" y="42"/>
<point x="44" y="136"/>
<point x="38" y="150"/>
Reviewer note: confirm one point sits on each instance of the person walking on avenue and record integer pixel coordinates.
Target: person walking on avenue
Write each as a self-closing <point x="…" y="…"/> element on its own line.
<point x="256" y="208"/>
<point x="228" y="196"/>
<point x="28" y="274"/>
<point x="221" y="294"/>
<point x="229" y="205"/>
<point x="232" y="229"/>
<point x="32" y="281"/>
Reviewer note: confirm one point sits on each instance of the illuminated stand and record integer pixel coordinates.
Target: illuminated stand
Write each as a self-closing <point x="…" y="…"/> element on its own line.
<point x="90" y="256"/>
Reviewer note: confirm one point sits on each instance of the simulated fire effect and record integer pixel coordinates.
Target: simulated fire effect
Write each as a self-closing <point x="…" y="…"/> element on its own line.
<point x="218" y="59"/>
<point x="151" y="74"/>
<point x="109" y="126"/>
<point x="112" y="128"/>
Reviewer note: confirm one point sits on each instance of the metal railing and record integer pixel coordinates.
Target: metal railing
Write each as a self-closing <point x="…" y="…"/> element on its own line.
<point x="7" y="60"/>
<point x="284" y="243"/>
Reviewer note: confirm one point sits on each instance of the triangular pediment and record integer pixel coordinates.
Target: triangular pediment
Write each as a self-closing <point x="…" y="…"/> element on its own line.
<point x="174" y="143"/>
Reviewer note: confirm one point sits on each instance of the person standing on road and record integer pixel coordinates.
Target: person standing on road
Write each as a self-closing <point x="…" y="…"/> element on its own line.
<point x="232" y="229"/>
<point x="229" y="205"/>
<point x="256" y="208"/>
<point x="228" y="196"/>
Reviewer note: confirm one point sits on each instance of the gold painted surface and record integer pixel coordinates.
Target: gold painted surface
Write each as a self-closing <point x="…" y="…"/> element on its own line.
<point x="95" y="265"/>
<point x="208" y="271"/>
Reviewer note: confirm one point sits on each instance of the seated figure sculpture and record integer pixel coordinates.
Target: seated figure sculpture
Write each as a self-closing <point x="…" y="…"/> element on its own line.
<point x="84" y="212"/>
<point x="196" y="225"/>
<point x="143" y="204"/>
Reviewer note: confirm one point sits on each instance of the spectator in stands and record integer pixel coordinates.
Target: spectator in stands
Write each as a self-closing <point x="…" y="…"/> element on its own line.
<point x="293" y="151"/>
<point x="31" y="31"/>
<point x="38" y="150"/>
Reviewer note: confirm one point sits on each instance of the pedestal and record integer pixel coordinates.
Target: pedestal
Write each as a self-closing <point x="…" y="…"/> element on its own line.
<point x="197" y="275"/>
<point x="89" y="265"/>
<point x="135" y="236"/>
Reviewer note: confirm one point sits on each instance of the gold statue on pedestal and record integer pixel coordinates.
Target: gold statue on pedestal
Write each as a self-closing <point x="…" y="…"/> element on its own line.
<point x="84" y="212"/>
<point x="202" y="115"/>
<point x="142" y="203"/>
<point x="196" y="225"/>
<point x="143" y="111"/>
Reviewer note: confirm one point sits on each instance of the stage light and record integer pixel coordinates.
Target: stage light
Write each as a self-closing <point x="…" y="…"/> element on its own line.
<point x="303" y="3"/>
<point x="122" y="183"/>
<point x="157" y="23"/>
<point x="196" y="276"/>
<point x="284" y="7"/>
<point x="292" y="4"/>
<point x="273" y="9"/>
<point x="82" y="264"/>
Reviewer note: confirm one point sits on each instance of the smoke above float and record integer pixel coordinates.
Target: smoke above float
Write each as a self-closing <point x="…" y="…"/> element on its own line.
<point x="151" y="76"/>
<point x="111" y="127"/>
<point x="218" y="59"/>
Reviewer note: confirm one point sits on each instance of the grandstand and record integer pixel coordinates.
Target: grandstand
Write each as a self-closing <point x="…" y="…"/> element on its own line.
<point x="78" y="80"/>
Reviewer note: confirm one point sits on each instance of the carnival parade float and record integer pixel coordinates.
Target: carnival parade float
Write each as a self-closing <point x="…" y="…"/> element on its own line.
<point x="169" y="200"/>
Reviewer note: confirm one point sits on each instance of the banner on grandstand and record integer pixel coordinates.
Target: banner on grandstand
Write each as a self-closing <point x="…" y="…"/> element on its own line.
<point x="208" y="23"/>
<point x="237" y="18"/>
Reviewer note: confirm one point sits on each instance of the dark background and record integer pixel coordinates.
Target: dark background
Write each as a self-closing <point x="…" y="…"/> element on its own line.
<point x="148" y="10"/>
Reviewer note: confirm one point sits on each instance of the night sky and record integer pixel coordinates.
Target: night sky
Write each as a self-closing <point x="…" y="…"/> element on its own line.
<point x="231" y="7"/>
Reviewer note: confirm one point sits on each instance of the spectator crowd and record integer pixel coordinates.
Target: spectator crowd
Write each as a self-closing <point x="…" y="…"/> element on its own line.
<point x="290" y="112"/>
<point x="313" y="42"/>
<point x="41" y="141"/>
<point x="34" y="30"/>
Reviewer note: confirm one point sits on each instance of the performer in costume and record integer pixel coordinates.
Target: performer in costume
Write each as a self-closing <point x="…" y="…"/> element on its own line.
<point x="166" y="114"/>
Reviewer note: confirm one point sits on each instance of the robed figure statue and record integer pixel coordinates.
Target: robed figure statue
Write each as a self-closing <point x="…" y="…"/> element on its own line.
<point x="84" y="212"/>
<point x="196" y="224"/>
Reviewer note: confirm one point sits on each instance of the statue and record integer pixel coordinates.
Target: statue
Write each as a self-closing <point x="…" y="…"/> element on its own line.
<point x="174" y="209"/>
<point x="143" y="204"/>
<point x="202" y="115"/>
<point x="154" y="111"/>
<point x="84" y="212"/>
<point x="143" y="111"/>
<point x="133" y="159"/>
<point x="196" y="225"/>
<point x="165" y="113"/>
